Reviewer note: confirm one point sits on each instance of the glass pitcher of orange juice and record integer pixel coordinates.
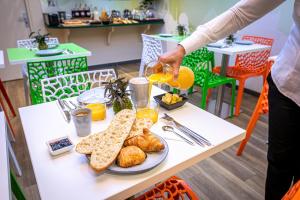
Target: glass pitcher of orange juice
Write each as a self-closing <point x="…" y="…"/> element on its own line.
<point x="157" y="72"/>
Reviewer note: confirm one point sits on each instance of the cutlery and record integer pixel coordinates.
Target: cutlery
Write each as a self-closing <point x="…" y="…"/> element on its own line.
<point x="66" y="114"/>
<point x="73" y="104"/>
<point x="187" y="131"/>
<point x="67" y="105"/>
<point x="171" y="129"/>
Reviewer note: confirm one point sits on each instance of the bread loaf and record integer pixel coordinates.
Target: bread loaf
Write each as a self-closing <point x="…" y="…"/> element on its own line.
<point x="107" y="149"/>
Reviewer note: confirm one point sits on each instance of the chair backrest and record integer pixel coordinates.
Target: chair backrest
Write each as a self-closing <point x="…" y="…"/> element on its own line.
<point x="152" y="49"/>
<point x="71" y="85"/>
<point x="45" y="69"/>
<point x="254" y="62"/>
<point x="201" y="63"/>
<point x="30" y="43"/>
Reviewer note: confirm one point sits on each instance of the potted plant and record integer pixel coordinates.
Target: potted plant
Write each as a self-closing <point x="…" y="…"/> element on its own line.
<point x="116" y="91"/>
<point x="229" y="39"/>
<point x="146" y="4"/>
<point x="181" y="30"/>
<point x="40" y="39"/>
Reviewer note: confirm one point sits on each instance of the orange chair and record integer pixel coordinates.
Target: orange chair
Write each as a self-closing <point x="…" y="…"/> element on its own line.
<point x="248" y="65"/>
<point x="293" y="193"/>
<point x="171" y="189"/>
<point x="262" y="107"/>
<point x="10" y="106"/>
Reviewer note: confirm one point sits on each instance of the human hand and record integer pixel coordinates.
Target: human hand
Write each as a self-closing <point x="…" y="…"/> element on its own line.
<point x="173" y="58"/>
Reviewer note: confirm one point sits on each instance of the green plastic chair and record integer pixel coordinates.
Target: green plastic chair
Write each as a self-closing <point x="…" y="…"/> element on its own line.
<point x="38" y="71"/>
<point x="15" y="188"/>
<point x="202" y="62"/>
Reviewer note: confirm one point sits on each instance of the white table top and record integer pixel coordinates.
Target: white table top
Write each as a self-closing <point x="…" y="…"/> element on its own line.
<point x="1" y="59"/>
<point x="239" y="49"/>
<point x="4" y="166"/>
<point x="70" y="177"/>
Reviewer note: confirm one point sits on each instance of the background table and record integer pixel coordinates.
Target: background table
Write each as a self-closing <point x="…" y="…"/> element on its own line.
<point x="226" y="53"/>
<point x="69" y="176"/>
<point x="23" y="55"/>
<point x="4" y="162"/>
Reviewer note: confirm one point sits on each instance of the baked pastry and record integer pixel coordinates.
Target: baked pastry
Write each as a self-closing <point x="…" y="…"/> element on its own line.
<point x="139" y="125"/>
<point x="106" y="150"/>
<point x="147" y="142"/>
<point x="130" y="156"/>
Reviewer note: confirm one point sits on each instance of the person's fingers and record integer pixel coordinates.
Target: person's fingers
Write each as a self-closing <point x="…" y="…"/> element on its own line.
<point x="168" y="58"/>
<point x="175" y="71"/>
<point x="157" y="67"/>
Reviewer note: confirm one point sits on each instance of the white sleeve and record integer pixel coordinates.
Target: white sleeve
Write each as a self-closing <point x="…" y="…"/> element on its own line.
<point x="240" y="15"/>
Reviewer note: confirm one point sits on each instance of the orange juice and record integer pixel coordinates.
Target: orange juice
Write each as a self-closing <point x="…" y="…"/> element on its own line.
<point x="147" y="113"/>
<point x="98" y="111"/>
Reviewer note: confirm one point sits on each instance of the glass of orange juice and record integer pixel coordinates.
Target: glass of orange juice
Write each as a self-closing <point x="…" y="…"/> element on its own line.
<point x="151" y="112"/>
<point x="98" y="111"/>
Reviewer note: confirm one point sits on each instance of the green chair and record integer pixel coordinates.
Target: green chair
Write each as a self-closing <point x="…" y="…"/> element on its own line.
<point x="38" y="71"/>
<point x="202" y="62"/>
<point x="15" y="188"/>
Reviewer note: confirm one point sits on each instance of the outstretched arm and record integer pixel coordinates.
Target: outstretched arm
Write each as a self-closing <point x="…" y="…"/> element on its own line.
<point x="240" y="15"/>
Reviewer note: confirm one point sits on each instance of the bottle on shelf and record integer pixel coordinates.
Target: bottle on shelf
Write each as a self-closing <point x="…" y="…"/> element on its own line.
<point x="96" y="14"/>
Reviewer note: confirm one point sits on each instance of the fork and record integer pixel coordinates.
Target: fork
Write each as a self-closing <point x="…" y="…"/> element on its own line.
<point x="187" y="131"/>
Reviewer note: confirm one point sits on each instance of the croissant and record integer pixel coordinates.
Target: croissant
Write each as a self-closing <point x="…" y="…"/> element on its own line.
<point x="147" y="142"/>
<point x="130" y="156"/>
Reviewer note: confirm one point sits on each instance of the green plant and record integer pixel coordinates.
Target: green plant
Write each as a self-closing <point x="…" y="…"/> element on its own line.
<point x="146" y="4"/>
<point x="181" y="29"/>
<point x="116" y="91"/>
<point x="40" y="39"/>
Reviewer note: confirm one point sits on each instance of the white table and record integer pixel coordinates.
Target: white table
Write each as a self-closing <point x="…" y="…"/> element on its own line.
<point x="226" y="53"/>
<point x="4" y="162"/>
<point x="1" y="59"/>
<point x="70" y="177"/>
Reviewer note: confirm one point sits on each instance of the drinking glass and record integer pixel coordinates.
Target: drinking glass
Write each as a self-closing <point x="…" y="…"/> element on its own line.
<point x="150" y="111"/>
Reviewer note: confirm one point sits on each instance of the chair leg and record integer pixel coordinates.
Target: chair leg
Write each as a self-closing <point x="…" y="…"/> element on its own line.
<point x="203" y="98"/>
<point x="239" y="97"/>
<point x="249" y="130"/>
<point x="26" y="90"/>
<point x="191" y="89"/>
<point x="14" y="159"/>
<point x="15" y="187"/>
<point x="3" y="91"/>
<point x="209" y="91"/>
<point x="8" y="120"/>
<point x="232" y="98"/>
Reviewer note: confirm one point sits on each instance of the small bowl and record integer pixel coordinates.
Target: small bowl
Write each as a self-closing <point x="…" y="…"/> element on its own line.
<point x="158" y="99"/>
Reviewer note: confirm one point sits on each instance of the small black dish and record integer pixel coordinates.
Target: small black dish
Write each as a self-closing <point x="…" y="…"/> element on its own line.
<point x="170" y="106"/>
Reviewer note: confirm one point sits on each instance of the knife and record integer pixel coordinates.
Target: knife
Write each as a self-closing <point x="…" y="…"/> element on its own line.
<point x="64" y="111"/>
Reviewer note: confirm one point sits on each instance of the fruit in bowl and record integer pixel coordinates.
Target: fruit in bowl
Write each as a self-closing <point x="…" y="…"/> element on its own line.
<point x="169" y="98"/>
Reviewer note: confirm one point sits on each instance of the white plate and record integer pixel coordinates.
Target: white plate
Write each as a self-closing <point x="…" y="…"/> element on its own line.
<point x="152" y="160"/>
<point x="244" y="42"/>
<point x="95" y="95"/>
<point x="165" y="35"/>
<point x="49" y="52"/>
